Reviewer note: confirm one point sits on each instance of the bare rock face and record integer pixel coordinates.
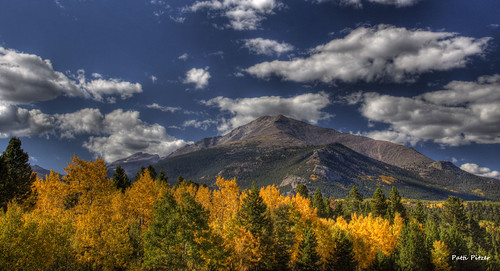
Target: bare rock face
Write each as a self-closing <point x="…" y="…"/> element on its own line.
<point x="134" y="162"/>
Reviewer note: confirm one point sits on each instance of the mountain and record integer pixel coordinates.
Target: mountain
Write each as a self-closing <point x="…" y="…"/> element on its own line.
<point x="133" y="163"/>
<point x="40" y="171"/>
<point x="284" y="151"/>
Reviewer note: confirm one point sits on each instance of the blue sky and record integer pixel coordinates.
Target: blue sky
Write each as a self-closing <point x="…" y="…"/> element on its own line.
<point x="109" y="78"/>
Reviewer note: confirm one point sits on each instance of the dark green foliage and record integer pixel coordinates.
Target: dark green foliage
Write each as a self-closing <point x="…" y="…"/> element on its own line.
<point x="162" y="177"/>
<point x="71" y="200"/>
<point x="139" y="173"/>
<point x="172" y="239"/>
<point x="453" y="213"/>
<point x="383" y="262"/>
<point x="418" y="212"/>
<point x="308" y="258"/>
<point x="120" y="179"/>
<point x="353" y="202"/>
<point x="302" y="190"/>
<point x="255" y="217"/>
<point x="16" y="175"/>
<point x="395" y="205"/>
<point x="413" y="253"/>
<point x="283" y="236"/>
<point x="342" y="258"/>
<point x="378" y="203"/>
<point x="321" y="204"/>
<point x="454" y="240"/>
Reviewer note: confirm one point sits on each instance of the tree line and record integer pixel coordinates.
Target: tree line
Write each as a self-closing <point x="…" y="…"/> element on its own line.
<point x="86" y="221"/>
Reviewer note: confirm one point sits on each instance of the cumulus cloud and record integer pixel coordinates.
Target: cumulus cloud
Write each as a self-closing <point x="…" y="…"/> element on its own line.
<point x="377" y="53"/>
<point x="268" y="47"/>
<point x="462" y="113"/>
<point x="481" y="171"/>
<point x="199" y="77"/>
<point x="170" y="109"/>
<point x="27" y="78"/>
<point x="359" y="3"/>
<point x="307" y="107"/>
<point x="242" y="14"/>
<point x="22" y="122"/>
<point x="126" y="134"/>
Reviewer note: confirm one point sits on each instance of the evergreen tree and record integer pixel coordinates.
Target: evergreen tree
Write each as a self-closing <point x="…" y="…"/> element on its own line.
<point x="308" y="258"/>
<point x="178" y="236"/>
<point x="152" y="172"/>
<point x="342" y="258"/>
<point x="162" y="177"/>
<point x="378" y="203"/>
<point x="283" y="236"/>
<point x="353" y="202"/>
<point x="302" y="190"/>
<point x="318" y="202"/>
<point x="453" y="239"/>
<point x="454" y="213"/>
<point x="418" y="212"/>
<point x="139" y="173"/>
<point x="413" y="252"/>
<point x="395" y="205"/>
<point x="16" y="175"/>
<point x="255" y="217"/>
<point x="120" y="179"/>
<point x="383" y="262"/>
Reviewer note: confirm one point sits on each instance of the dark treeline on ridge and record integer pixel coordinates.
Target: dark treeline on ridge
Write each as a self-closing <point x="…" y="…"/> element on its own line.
<point x="86" y="221"/>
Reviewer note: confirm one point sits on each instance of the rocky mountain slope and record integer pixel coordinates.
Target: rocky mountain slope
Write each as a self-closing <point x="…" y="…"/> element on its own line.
<point x="306" y="153"/>
<point x="133" y="163"/>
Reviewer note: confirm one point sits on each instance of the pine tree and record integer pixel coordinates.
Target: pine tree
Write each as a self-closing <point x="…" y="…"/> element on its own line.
<point x="413" y="253"/>
<point x="395" y="205"/>
<point x="255" y="218"/>
<point x="353" y="201"/>
<point x="283" y="236"/>
<point x="120" y="179"/>
<point x="342" y="258"/>
<point x="319" y="203"/>
<point x="308" y="258"/>
<point x="419" y="212"/>
<point x="453" y="239"/>
<point x="454" y="213"/>
<point x="139" y="173"/>
<point x="162" y="177"/>
<point x="378" y="203"/>
<point x="152" y="171"/>
<point x="16" y="175"/>
<point x="302" y="190"/>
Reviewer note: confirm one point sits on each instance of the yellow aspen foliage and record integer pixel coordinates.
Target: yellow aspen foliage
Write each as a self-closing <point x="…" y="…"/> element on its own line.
<point x="324" y="231"/>
<point x="272" y="197"/>
<point x="183" y="188"/>
<point x="31" y="241"/>
<point x="246" y="249"/>
<point x="88" y="181"/>
<point x="141" y="196"/>
<point x="204" y="197"/>
<point x="225" y="204"/>
<point x="440" y="256"/>
<point x="101" y="236"/>
<point x="371" y="234"/>
<point x="51" y="194"/>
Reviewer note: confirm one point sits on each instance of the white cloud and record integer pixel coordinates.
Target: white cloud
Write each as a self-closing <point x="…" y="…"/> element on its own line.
<point x="22" y="122"/>
<point x="84" y="121"/>
<point x="377" y="53"/>
<point x="27" y="78"/>
<point x="126" y="134"/>
<point x="268" y="47"/>
<point x="359" y="3"/>
<point x="307" y="107"/>
<point x="153" y="79"/>
<point x="170" y="109"/>
<point x="242" y="14"/>
<point x="199" y="77"/>
<point x="204" y="124"/>
<point x="462" y="113"/>
<point x="184" y="56"/>
<point x="481" y="171"/>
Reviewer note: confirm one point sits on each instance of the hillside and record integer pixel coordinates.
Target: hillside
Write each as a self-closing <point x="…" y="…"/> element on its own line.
<point x="283" y="151"/>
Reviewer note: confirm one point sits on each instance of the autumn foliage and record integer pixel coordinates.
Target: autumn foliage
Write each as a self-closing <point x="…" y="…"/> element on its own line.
<point x="84" y="221"/>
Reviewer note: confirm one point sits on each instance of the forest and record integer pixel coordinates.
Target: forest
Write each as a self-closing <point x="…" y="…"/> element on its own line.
<point x="86" y="221"/>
